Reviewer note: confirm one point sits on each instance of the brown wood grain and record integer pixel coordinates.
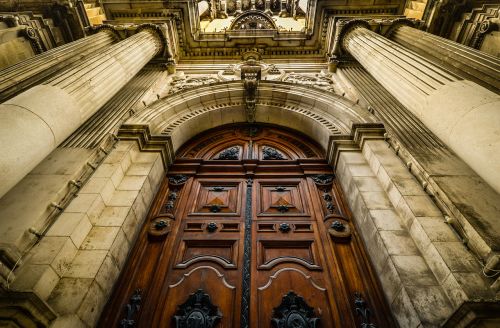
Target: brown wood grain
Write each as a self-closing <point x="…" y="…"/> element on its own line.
<point x="304" y="259"/>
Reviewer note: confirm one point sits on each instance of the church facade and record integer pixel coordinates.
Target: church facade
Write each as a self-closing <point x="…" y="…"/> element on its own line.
<point x="250" y="163"/>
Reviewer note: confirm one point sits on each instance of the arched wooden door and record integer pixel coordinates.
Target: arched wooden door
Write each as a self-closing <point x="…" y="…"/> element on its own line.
<point x="248" y="230"/>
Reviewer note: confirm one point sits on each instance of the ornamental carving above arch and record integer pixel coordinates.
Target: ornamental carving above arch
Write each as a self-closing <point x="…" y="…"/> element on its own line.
<point x="253" y="20"/>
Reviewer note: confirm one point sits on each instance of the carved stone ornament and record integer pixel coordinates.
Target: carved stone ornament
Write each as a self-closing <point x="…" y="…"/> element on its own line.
<point x="293" y="312"/>
<point x="160" y="227"/>
<point x="197" y="312"/>
<point x="231" y="153"/>
<point x="269" y="153"/>
<point x="323" y="179"/>
<point x="253" y="20"/>
<point x="251" y="73"/>
<point x="340" y="230"/>
<point x="321" y="81"/>
<point x="182" y="82"/>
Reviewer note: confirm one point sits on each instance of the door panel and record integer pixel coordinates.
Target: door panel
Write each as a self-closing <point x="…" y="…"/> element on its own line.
<point x="255" y="233"/>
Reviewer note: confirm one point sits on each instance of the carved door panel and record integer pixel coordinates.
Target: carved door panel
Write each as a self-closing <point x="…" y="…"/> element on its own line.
<point x="290" y="266"/>
<point x="249" y="230"/>
<point x="208" y="253"/>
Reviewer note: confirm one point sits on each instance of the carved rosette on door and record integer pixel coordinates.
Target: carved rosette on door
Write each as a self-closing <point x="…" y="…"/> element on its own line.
<point x="257" y="236"/>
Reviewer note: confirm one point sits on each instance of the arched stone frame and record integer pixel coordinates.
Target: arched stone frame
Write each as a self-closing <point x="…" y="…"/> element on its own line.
<point x="173" y="120"/>
<point x="369" y="172"/>
<point x="355" y="146"/>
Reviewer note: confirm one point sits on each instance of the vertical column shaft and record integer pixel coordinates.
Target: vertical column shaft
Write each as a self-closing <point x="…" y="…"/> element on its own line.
<point x="469" y="63"/>
<point x="32" y="71"/>
<point x="461" y="113"/>
<point x="33" y="123"/>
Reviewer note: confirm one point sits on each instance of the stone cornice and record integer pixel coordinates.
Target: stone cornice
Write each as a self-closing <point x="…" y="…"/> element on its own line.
<point x="360" y="132"/>
<point x="147" y="142"/>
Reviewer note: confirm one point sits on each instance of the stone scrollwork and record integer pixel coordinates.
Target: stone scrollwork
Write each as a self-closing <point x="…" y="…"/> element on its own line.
<point x="182" y="82"/>
<point x="253" y="20"/>
<point x="321" y="80"/>
<point x="31" y="35"/>
<point x="250" y="74"/>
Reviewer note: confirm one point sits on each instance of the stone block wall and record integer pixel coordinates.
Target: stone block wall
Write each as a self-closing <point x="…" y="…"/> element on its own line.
<point x="425" y="270"/>
<point x="73" y="268"/>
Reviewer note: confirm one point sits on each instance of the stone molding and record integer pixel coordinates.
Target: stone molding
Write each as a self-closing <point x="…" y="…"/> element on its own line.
<point x="360" y="132"/>
<point x="25" y="309"/>
<point x="470" y="313"/>
<point x="147" y="142"/>
<point x="186" y="113"/>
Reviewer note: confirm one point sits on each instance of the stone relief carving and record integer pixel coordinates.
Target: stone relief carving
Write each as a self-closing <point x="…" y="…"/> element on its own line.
<point x="182" y="82"/>
<point x="268" y="72"/>
<point x="253" y="20"/>
<point x="251" y="73"/>
<point x="322" y="80"/>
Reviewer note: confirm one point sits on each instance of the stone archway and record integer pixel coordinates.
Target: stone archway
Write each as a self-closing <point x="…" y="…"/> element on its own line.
<point x="169" y="122"/>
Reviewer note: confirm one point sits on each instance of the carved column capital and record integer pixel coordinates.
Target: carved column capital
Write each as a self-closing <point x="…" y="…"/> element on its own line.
<point x="108" y="28"/>
<point x="397" y="23"/>
<point x="342" y="27"/>
<point x="30" y="34"/>
<point x="161" y="39"/>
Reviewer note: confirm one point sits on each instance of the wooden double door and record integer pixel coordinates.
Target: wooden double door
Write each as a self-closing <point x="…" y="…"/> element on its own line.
<point x="249" y="229"/>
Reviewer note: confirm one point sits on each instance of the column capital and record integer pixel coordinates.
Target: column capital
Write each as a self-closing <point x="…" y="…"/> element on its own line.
<point x="397" y="23"/>
<point x="382" y="25"/>
<point x="157" y="31"/>
<point x="108" y="28"/>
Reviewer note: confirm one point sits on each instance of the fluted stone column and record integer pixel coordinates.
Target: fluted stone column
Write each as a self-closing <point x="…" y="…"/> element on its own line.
<point x="463" y="114"/>
<point x="35" y="122"/>
<point x="34" y="70"/>
<point x="470" y="63"/>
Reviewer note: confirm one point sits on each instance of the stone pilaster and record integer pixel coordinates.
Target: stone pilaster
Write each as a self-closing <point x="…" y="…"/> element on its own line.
<point x="35" y="70"/>
<point x="461" y="113"/>
<point x="33" y="123"/>
<point x="469" y="63"/>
